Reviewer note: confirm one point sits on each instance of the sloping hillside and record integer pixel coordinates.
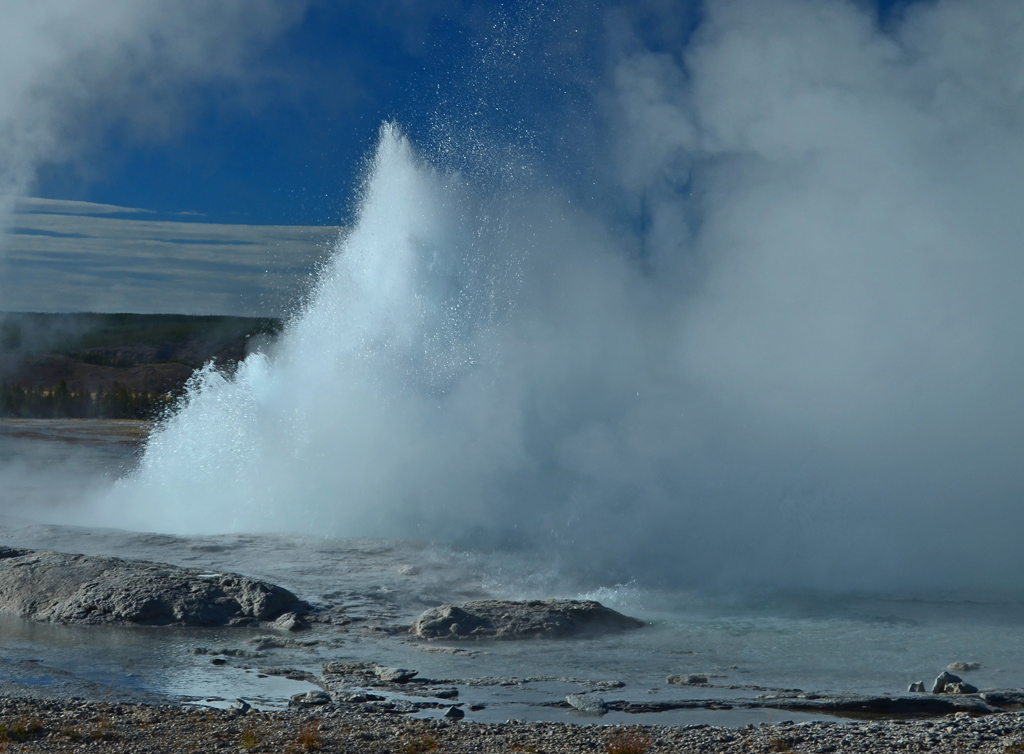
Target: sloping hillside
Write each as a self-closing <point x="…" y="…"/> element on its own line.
<point x="113" y="365"/>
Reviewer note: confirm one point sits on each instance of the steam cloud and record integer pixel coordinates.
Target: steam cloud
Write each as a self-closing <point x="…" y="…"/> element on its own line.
<point x="71" y="70"/>
<point x="809" y="377"/>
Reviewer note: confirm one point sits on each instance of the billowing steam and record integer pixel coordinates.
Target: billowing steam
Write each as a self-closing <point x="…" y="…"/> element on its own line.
<point x="810" y="374"/>
<point x="74" y="70"/>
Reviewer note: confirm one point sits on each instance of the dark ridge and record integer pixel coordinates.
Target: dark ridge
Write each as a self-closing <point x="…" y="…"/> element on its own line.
<point x="122" y="366"/>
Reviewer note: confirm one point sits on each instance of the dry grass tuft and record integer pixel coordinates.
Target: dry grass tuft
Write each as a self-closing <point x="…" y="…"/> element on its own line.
<point x="21" y="730"/>
<point x="420" y="745"/>
<point x="248" y="739"/>
<point x="627" y="741"/>
<point x="308" y="737"/>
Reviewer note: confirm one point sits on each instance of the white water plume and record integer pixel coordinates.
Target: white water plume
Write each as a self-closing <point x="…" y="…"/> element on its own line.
<point x="360" y="403"/>
<point x="811" y="377"/>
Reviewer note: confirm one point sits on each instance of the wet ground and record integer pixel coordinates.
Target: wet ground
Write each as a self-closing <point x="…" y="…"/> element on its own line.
<point x="367" y="592"/>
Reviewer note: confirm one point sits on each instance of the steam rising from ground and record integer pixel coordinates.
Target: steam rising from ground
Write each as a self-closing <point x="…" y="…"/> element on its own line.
<point x="809" y="377"/>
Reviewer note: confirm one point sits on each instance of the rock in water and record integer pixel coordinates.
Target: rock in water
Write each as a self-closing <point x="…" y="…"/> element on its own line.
<point x="963" y="687"/>
<point x="939" y="687"/>
<point x="290" y="622"/>
<point x="394" y="675"/>
<point x="310" y="699"/>
<point x="357" y="697"/>
<point x="240" y="706"/>
<point x="454" y="713"/>
<point x="588" y="704"/>
<point x="947" y="683"/>
<point x="501" y="619"/>
<point x="65" y="588"/>
<point x="917" y="687"/>
<point x="963" y="667"/>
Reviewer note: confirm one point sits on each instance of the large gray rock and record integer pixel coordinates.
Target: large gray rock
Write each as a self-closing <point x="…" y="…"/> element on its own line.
<point x="310" y="699"/>
<point x="454" y="713"/>
<point x="963" y="687"/>
<point x="65" y="588"/>
<point x="394" y="675"/>
<point x="939" y="687"/>
<point x="500" y="619"/>
<point x="947" y="683"/>
<point x="588" y="704"/>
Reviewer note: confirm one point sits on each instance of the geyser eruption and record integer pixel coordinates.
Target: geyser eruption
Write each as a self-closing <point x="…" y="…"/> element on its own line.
<point x="427" y="387"/>
<point x="367" y="418"/>
<point x="810" y="377"/>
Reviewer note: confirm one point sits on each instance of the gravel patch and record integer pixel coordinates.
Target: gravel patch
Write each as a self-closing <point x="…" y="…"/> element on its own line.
<point x="31" y="725"/>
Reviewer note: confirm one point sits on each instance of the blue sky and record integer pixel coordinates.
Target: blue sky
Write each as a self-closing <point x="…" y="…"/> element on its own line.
<point x="264" y="113"/>
<point x="285" y="144"/>
<point x="289" y="157"/>
<point x="288" y="150"/>
<point x="276" y="131"/>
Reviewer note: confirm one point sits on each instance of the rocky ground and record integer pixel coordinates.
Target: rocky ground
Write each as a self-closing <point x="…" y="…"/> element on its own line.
<point x="369" y="597"/>
<point x="69" y="589"/>
<point x="76" y="726"/>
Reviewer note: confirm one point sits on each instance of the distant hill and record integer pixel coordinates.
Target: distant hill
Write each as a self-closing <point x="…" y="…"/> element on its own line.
<point x="113" y="365"/>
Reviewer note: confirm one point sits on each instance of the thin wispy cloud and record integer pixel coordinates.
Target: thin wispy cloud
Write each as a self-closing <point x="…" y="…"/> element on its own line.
<point x="27" y="205"/>
<point x="77" y="256"/>
<point x="74" y="70"/>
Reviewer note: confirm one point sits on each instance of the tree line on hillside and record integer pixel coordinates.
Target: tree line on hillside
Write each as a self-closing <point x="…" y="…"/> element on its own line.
<point x="187" y="339"/>
<point x="61" y="403"/>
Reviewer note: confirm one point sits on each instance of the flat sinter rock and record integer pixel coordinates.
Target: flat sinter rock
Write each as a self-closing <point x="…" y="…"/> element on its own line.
<point x="501" y="619"/>
<point x="67" y="588"/>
